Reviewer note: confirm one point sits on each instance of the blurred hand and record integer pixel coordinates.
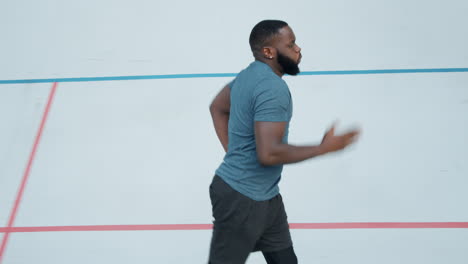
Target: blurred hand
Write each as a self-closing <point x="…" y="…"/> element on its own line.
<point x="332" y="142"/>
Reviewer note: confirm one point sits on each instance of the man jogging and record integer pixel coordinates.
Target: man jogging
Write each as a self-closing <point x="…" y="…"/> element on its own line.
<point x="251" y="117"/>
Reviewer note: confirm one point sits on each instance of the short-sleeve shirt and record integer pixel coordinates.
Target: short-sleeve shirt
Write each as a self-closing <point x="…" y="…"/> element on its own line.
<point x="256" y="94"/>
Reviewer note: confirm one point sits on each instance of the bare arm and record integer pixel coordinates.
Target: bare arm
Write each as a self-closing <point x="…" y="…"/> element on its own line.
<point x="219" y="110"/>
<point x="271" y="150"/>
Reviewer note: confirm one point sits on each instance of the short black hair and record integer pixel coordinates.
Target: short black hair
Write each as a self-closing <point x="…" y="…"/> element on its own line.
<point x="263" y="32"/>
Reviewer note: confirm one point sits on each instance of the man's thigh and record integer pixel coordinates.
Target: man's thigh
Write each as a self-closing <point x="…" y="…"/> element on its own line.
<point x="276" y="235"/>
<point x="232" y="239"/>
<point x="285" y="256"/>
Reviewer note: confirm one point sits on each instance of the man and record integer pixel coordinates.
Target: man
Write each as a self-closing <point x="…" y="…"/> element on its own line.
<point x="251" y="117"/>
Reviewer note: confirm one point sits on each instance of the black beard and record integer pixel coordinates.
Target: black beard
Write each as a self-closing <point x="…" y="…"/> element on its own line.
<point x="289" y="66"/>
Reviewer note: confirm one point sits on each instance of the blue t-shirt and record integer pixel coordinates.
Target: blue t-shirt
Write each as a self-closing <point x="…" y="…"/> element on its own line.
<point x="257" y="94"/>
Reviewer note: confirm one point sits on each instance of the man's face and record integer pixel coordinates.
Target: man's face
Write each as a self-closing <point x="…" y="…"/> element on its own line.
<point x="288" y="52"/>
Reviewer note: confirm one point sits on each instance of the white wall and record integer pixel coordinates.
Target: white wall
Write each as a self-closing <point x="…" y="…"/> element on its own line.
<point x="140" y="152"/>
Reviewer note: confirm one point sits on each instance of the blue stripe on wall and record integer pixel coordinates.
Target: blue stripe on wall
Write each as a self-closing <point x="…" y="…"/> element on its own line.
<point x="215" y="75"/>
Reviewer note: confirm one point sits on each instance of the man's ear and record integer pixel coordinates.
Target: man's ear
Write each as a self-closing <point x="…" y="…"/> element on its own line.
<point x="269" y="52"/>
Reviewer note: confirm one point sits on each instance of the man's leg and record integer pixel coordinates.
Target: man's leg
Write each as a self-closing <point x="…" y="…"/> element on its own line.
<point x="229" y="246"/>
<point x="232" y="239"/>
<point x="275" y="243"/>
<point x="285" y="256"/>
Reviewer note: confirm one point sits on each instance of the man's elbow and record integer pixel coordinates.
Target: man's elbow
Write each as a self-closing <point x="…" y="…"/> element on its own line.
<point x="212" y="108"/>
<point x="217" y="109"/>
<point x="266" y="158"/>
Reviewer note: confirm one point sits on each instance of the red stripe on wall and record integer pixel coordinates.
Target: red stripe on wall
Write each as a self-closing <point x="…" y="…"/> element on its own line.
<point x="27" y="172"/>
<point x="364" y="225"/>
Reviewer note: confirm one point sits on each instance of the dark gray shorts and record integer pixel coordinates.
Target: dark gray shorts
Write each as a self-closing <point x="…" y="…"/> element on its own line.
<point x="243" y="225"/>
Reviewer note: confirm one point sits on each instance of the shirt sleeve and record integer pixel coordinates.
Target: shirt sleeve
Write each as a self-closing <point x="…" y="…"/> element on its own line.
<point x="231" y="83"/>
<point x="272" y="102"/>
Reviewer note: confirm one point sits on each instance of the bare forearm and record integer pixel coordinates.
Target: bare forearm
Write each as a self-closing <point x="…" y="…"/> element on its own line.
<point x="271" y="150"/>
<point x="220" y="122"/>
<point x="285" y="153"/>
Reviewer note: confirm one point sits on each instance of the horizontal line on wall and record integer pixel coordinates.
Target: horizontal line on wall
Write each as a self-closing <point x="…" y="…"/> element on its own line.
<point x="217" y="75"/>
<point x="357" y="225"/>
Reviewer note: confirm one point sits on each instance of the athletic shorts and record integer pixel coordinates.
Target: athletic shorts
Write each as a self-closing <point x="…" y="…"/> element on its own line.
<point x="242" y="225"/>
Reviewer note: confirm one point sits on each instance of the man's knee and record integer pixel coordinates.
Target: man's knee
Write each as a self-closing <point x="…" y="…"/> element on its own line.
<point x="285" y="256"/>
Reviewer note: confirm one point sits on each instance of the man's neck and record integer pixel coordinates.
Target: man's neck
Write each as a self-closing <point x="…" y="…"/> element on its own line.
<point x="273" y="65"/>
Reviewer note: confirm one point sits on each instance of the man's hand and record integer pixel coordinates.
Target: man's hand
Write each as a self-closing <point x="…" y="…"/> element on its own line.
<point x="332" y="142"/>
